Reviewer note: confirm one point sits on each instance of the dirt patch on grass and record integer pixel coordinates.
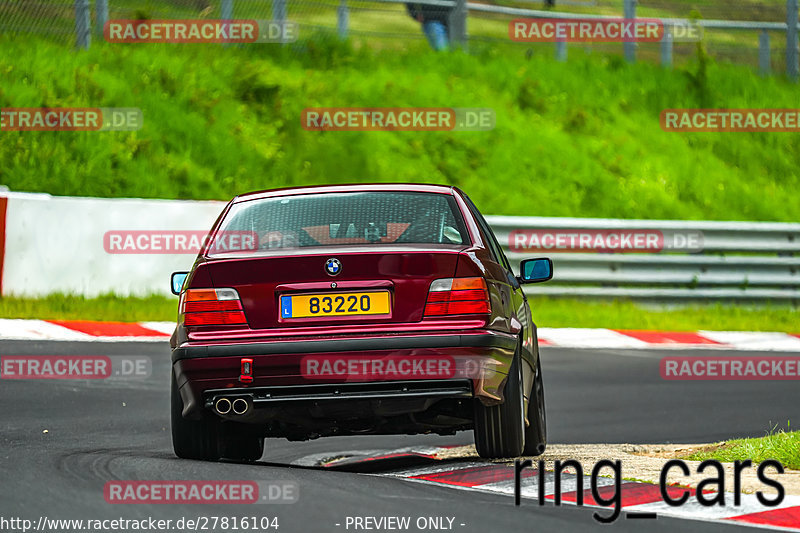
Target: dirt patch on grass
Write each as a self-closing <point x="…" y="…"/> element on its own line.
<point x="644" y="462"/>
<point x="679" y="452"/>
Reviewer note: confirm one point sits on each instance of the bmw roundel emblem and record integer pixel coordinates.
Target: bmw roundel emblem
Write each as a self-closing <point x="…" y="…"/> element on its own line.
<point x="333" y="266"/>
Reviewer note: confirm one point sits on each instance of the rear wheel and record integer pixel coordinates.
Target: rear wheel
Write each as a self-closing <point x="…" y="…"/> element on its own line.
<point x="500" y="429"/>
<point x="192" y="439"/>
<point x="536" y="432"/>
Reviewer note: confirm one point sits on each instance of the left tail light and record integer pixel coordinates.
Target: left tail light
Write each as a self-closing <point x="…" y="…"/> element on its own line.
<point x="212" y="307"/>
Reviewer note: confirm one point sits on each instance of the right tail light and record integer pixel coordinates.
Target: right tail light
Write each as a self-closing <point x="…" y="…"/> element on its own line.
<point x="457" y="296"/>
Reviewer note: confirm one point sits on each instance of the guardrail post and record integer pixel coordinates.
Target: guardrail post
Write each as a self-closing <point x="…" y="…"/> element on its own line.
<point x="764" y="52"/>
<point x="226" y="13"/>
<point x="666" y="48"/>
<point x="279" y="11"/>
<point x="226" y="10"/>
<point x="101" y="12"/>
<point x="458" y="23"/>
<point x="561" y="50"/>
<point x="279" y="14"/>
<point x="342" y="19"/>
<point x="629" y="7"/>
<point x="791" y="40"/>
<point x="83" y="36"/>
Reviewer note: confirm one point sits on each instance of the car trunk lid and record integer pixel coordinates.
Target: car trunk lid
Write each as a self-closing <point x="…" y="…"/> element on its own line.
<point x="301" y="288"/>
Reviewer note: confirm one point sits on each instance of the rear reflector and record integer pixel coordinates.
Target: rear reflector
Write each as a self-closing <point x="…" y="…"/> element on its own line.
<point x="202" y="307"/>
<point x="446" y="296"/>
<point x="457" y="296"/>
<point x="212" y="307"/>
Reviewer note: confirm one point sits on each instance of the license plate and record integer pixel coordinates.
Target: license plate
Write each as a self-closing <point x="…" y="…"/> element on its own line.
<point x="335" y="304"/>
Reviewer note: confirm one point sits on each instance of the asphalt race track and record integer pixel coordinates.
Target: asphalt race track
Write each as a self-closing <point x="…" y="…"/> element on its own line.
<point x="117" y="429"/>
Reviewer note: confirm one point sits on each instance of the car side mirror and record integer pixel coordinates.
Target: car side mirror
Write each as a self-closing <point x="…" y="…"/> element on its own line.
<point x="536" y="270"/>
<point x="177" y="280"/>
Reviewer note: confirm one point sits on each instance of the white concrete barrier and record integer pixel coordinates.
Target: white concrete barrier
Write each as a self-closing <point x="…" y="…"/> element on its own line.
<point x="55" y="244"/>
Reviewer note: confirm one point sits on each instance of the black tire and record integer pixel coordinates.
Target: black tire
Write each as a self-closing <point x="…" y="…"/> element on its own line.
<point x="500" y="429"/>
<point x="536" y="432"/>
<point x="192" y="439"/>
<point x="238" y="446"/>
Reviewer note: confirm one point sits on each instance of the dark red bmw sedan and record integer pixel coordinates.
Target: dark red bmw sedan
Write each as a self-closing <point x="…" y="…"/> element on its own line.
<point x="349" y="310"/>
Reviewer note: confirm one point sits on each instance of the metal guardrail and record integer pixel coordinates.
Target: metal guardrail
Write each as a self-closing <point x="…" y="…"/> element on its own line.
<point x="461" y="8"/>
<point x="744" y="261"/>
<point x="629" y="8"/>
<point x="51" y="16"/>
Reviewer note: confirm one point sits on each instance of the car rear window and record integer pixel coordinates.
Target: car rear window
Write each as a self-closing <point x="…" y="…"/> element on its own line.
<point x="334" y="219"/>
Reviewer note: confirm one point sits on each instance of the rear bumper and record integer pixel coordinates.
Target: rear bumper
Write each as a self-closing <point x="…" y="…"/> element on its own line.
<point x="473" y="364"/>
<point x="482" y="339"/>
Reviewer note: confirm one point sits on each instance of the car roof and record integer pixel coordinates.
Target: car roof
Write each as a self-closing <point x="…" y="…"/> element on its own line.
<point x="352" y="187"/>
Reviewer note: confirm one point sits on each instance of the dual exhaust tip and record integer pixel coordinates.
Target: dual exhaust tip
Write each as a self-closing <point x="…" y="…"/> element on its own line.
<point x="238" y="406"/>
